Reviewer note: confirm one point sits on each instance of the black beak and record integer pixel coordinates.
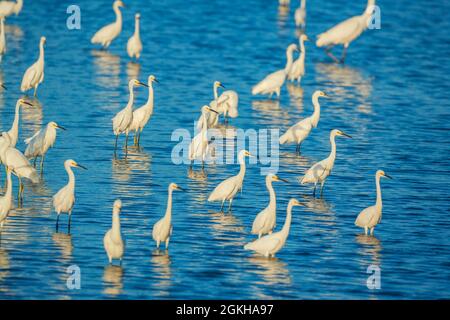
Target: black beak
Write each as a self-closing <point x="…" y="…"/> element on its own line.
<point x="180" y="188"/>
<point x="143" y="84"/>
<point x="388" y="176"/>
<point x="3" y="86"/>
<point x="284" y="180"/>
<point x="28" y="103"/>
<point x="155" y="80"/>
<point x="212" y="110"/>
<point x="326" y="95"/>
<point x="62" y="128"/>
<point x="346" y="135"/>
<point x="82" y="167"/>
<point x="222" y="86"/>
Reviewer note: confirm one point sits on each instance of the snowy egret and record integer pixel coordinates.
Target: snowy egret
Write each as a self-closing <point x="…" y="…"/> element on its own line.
<point x="112" y="241"/>
<point x="123" y="119"/>
<point x="35" y="73"/>
<point x="371" y="216"/>
<point x="17" y="162"/>
<point x="273" y="82"/>
<point x="108" y="33"/>
<point x="143" y="114"/>
<point x="265" y="220"/>
<point x="64" y="199"/>
<point x="212" y="118"/>
<point x="6" y="200"/>
<point x="162" y="230"/>
<point x="301" y="130"/>
<point x="8" y="8"/>
<point x="134" y="44"/>
<point x="2" y="38"/>
<point x="229" y="101"/>
<point x="320" y="171"/>
<point x="300" y="15"/>
<point x="284" y="2"/>
<point x="199" y="146"/>
<point x="41" y="141"/>
<point x="298" y="67"/>
<point x="13" y="133"/>
<point x="270" y="244"/>
<point x="227" y="189"/>
<point x="345" y="32"/>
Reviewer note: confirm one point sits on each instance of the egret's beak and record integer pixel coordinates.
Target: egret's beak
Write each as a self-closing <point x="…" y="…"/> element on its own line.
<point x="143" y="84"/>
<point x="388" y="176"/>
<point x="3" y="86"/>
<point x="326" y="95"/>
<point x="249" y="155"/>
<point x="346" y="135"/>
<point x="28" y="103"/>
<point x="180" y="188"/>
<point x="212" y="110"/>
<point x="80" y="166"/>
<point x="306" y="39"/>
<point x="222" y="86"/>
<point x="281" y="179"/>
<point x="62" y="128"/>
<point x="156" y="80"/>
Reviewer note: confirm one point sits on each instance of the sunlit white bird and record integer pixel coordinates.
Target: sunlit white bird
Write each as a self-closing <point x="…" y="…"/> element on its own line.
<point x="284" y="2"/>
<point x="41" y="141"/>
<point x="320" y="171"/>
<point x="301" y="130"/>
<point x="265" y="220"/>
<point x="64" y="199"/>
<point x="108" y="33"/>
<point x="227" y="189"/>
<point x="6" y="200"/>
<point x="270" y="244"/>
<point x="134" y="44"/>
<point x="2" y="38"/>
<point x="112" y="241"/>
<point x="300" y="15"/>
<point x="212" y="118"/>
<point x="199" y="146"/>
<point x="8" y="8"/>
<point x="13" y="133"/>
<point x="273" y="82"/>
<point x="345" y="32"/>
<point x="162" y="230"/>
<point x="298" y="67"/>
<point x="123" y="119"/>
<point x="228" y="102"/>
<point x="34" y="74"/>
<point x="371" y="216"/>
<point x="142" y="115"/>
<point x="17" y="162"/>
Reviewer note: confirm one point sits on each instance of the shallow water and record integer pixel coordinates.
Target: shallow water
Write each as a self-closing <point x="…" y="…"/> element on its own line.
<point x="391" y="96"/>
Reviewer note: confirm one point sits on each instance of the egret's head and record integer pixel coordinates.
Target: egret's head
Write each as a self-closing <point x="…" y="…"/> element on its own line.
<point x="295" y="202"/>
<point x="24" y="102"/>
<point x="118" y="204"/>
<point x="304" y="37"/>
<point x="292" y="47"/>
<point x="137" y="16"/>
<point x="218" y="84"/>
<point x="118" y="4"/>
<point x="274" y="177"/>
<point x="152" y="78"/>
<point x="174" y="186"/>
<point x="136" y="82"/>
<point x="337" y="132"/>
<point x="320" y="93"/>
<point x="53" y="124"/>
<point x="245" y="153"/>
<point x="381" y="173"/>
<point x="206" y="109"/>
<point x="73" y="163"/>
<point x="43" y="40"/>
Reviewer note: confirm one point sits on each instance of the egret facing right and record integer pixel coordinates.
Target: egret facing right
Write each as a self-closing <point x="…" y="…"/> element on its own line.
<point x="34" y="74"/>
<point x="134" y="44"/>
<point x="8" y="8"/>
<point x="108" y="33"/>
<point x="371" y="216"/>
<point x="112" y="241"/>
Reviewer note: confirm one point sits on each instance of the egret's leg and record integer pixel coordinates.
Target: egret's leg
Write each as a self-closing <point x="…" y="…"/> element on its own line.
<point x="115" y="145"/>
<point x="110" y="259"/>
<point x="344" y="54"/>
<point x="139" y="137"/>
<point x="366" y="230"/>
<point x="278" y="93"/>
<point x="42" y="164"/>
<point x="135" y="140"/>
<point x="126" y="142"/>
<point x="57" y="222"/>
<point x="120" y="263"/>
<point x="314" y="192"/>
<point x="328" y="52"/>
<point x="372" y="230"/>
<point x="70" y="220"/>
<point x="221" y="208"/>
<point x="34" y="162"/>
<point x="321" y="188"/>
<point x="167" y="243"/>
<point x="229" y="207"/>
<point x="35" y="90"/>
<point x="157" y="244"/>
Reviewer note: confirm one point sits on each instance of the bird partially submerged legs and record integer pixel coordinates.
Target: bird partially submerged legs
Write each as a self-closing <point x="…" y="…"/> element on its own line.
<point x="221" y="208"/>
<point x="297" y="149"/>
<point x="57" y="222"/>
<point x="321" y="188"/>
<point x="42" y="164"/>
<point x="344" y="54"/>
<point x="70" y="220"/>
<point x="115" y="145"/>
<point x="229" y="207"/>
<point x="314" y="192"/>
<point x="328" y="52"/>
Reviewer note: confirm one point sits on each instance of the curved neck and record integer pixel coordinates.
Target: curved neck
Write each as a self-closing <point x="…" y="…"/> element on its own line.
<point x="302" y="49"/>
<point x="316" y="114"/>
<point x="332" y="155"/>
<point x="150" y="95"/>
<point x="289" y="61"/>
<point x="136" y="28"/>
<point x="168" y="214"/>
<point x="131" y="97"/>
<point x="118" y="16"/>
<point x="379" y="202"/>
<point x="41" y="52"/>
<point x="287" y="222"/>
<point x="15" y="125"/>
<point x="116" y="225"/>
<point x="216" y="95"/>
<point x="18" y="6"/>
<point x="302" y="4"/>
<point x="242" y="169"/>
<point x="273" y="200"/>
<point x="71" y="183"/>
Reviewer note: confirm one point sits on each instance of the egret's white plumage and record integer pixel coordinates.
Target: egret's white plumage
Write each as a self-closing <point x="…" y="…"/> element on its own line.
<point x="199" y="146"/>
<point x="8" y="8"/>
<point x="6" y="200"/>
<point x="301" y="130"/>
<point x="13" y="133"/>
<point x="345" y="32"/>
<point x="108" y="33"/>
<point x="270" y="244"/>
<point x="2" y="38"/>
<point x="134" y="44"/>
<point x="320" y="171"/>
<point x="162" y="230"/>
<point x="41" y="141"/>
<point x="265" y="220"/>
<point x="112" y="241"/>
<point x="212" y="118"/>
<point x="284" y="2"/>
<point x="64" y="199"/>
<point x="300" y="15"/>
<point x="227" y="189"/>
<point x="229" y="101"/>
<point x="371" y="216"/>
<point x="35" y="73"/>
<point x="273" y="82"/>
<point x="142" y="115"/>
<point x="298" y="67"/>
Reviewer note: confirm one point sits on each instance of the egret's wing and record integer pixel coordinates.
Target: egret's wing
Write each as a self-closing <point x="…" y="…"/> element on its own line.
<point x="28" y="140"/>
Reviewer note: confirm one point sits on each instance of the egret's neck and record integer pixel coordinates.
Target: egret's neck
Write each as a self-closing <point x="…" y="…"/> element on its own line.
<point x="287" y="223"/>
<point x="332" y="155"/>
<point x="273" y="200"/>
<point x="216" y="95"/>
<point x="316" y="114"/>
<point x="150" y="96"/>
<point x="369" y="8"/>
<point x="2" y="27"/>
<point x="15" y="126"/>
<point x="302" y="49"/>
<point x="168" y="214"/>
<point x="116" y="226"/>
<point x="136" y="29"/>
<point x="302" y="4"/>
<point x="204" y="123"/>
<point x="118" y="16"/>
<point x="18" y="6"/>
<point x="41" y="52"/>
<point x="289" y="61"/>
<point x="71" y="183"/>
<point x="241" y="173"/>
<point x="379" y="203"/>
<point x="131" y="98"/>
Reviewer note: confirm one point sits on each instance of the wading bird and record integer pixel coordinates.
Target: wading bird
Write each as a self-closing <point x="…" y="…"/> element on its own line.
<point x="8" y="8"/>
<point x="108" y="33"/>
<point x="300" y="15"/>
<point x="301" y="130"/>
<point x="212" y="118"/>
<point x="2" y="38"/>
<point x="371" y="216"/>
<point x="270" y="244"/>
<point x="112" y="241"/>
<point x="34" y="74"/>
<point x="265" y="220"/>
<point x="142" y="115"/>
<point x="227" y="189"/>
<point x="64" y="199"/>
<point x="40" y="142"/>
<point x="320" y="171"/>
<point x="162" y="230"/>
<point x="298" y="67"/>
<point x="123" y="119"/>
<point x="229" y="101"/>
<point x="273" y="82"/>
<point x="199" y="146"/>
<point x="345" y="32"/>
<point x="6" y="200"/>
<point x="13" y="133"/>
<point x="134" y="44"/>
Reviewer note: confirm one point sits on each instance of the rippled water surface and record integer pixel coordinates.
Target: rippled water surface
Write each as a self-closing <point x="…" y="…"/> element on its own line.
<point x="391" y="96"/>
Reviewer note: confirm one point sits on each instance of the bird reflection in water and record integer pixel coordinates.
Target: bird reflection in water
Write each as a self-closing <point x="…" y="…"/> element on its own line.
<point x="295" y="96"/>
<point x="370" y="247"/>
<point x="283" y="15"/>
<point x="296" y="162"/>
<point x="317" y="205"/>
<point x="4" y="267"/>
<point x="136" y="162"/>
<point x="113" y="280"/>
<point x="271" y="111"/>
<point x="107" y="69"/>
<point x="227" y="228"/>
<point x="161" y="268"/>
<point x="31" y="116"/>
<point x="133" y="70"/>
<point x="14" y="31"/>
<point x="64" y="243"/>
<point x="272" y="270"/>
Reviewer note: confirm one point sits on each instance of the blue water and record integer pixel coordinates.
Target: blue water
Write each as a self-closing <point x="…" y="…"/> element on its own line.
<point x="391" y="96"/>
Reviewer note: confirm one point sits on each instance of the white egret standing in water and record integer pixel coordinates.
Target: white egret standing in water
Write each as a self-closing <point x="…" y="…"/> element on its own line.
<point x="298" y="67"/>
<point x="270" y="244"/>
<point x="108" y="33"/>
<point x="112" y="241"/>
<point x="35" y="73"/>
<point x="212" y="118"/>
<point x="320" y="171"/>
<point x="265" y="220"/>
<point x="300" y="15"/>
<point x="345" y="32"/>
<point x="371" y="216"/>
<point x="273" y="82"/>
<point x="162" y="230"/>
<point x="199" y="146"/>
<point x="301" y="130"/>
<point x="134" y="44"/>
<point x="227" y="189"/>
<point x="64" y="199"/>
<point x="13" y="133"/>
<point x="8" y="8"/>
